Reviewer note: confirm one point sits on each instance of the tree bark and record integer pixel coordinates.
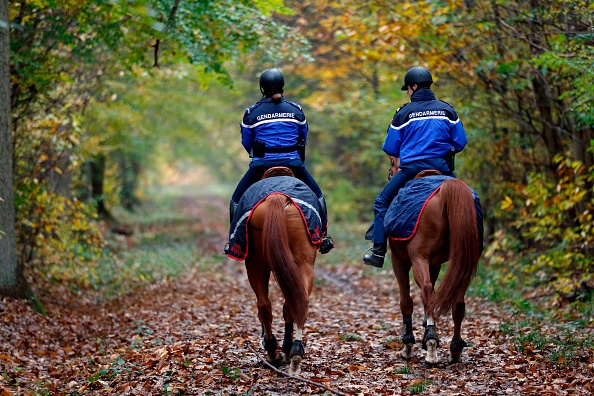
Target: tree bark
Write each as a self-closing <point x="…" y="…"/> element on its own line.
<point x="129" y="172"/>
<point x="12" y="280"/>
<point x="544" y="103"/>
<point x="543" y="96"/>
<point x="97" y="181"/>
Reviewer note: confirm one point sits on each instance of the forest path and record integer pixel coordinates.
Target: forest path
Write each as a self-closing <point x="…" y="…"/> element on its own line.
<point x="196" y="335"/>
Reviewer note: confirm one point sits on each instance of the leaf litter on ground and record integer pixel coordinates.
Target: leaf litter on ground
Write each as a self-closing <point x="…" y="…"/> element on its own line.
<point x="195" y="335"/>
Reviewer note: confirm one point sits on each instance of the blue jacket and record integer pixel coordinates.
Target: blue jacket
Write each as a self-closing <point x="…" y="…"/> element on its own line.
<point x="279" y="125"/>
<point x="424" y="128"/>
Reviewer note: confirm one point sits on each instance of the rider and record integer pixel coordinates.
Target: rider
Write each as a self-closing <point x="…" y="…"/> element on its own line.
<point x="274" y="133"/>
<point x="424" y="134"/>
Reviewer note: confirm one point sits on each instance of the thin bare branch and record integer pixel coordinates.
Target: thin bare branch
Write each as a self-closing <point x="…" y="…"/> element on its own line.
<point x="170" y="21"/>
<point x="284" y="373"/>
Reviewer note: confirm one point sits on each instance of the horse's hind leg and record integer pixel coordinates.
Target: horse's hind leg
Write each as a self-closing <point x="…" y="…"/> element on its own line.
<point x="401" y="270"/>
<point x="292" y="348"/>
<point x="296" y="354"/>
<point x="259" y="278"/>
<point x="457" y="345"/>
<point x="425" y="276"/>
<point x="431" y="342"/>
<point x="288" y="337"/>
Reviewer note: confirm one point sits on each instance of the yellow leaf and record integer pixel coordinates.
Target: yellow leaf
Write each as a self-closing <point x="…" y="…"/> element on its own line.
<point x="507" y="204"/>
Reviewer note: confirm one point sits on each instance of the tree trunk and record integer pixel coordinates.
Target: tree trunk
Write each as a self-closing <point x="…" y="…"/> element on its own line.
<point x="580" y="144"/>
<point x="129" y="171"/>
<point x="544" y="103"/>
<point x="97" y="180"/>
<point x="12" y="280"/>
<point x="61" y="180"/>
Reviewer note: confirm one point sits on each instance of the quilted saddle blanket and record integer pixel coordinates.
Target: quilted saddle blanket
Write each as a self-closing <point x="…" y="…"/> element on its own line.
<point x="402" y="217"/>
<point x="296" y="190"/>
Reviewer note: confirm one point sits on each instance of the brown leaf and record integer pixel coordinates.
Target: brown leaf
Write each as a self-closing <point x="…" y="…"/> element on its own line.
<point x="354" y="368"/>
<point x="323" y="379"/>
<point x="393" y="345"/>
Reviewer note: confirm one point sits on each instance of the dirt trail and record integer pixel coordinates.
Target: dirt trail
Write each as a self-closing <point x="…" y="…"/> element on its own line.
<point x="195" y="335"/>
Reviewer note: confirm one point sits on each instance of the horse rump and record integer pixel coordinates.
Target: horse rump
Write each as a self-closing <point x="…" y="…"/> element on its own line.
<point x="464" y="250"/>
<point x="278" y="254"/>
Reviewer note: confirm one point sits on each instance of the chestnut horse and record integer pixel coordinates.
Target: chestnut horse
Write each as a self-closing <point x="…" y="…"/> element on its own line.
<point x="279" y="243"/>
<point x="447" y="231"/>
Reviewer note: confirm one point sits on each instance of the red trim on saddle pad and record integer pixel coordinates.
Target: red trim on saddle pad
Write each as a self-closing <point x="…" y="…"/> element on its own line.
<point x="418" y="217"/>
<point x="237" y="247"/>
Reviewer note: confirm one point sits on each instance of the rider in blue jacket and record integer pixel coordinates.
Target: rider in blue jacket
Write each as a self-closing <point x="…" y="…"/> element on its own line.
<point x="424" y="134"/>
<point x="274" y="133"/>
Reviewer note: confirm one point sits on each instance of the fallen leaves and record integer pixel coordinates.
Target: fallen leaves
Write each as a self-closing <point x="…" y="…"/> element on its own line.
<point x="139" y="345"/>
<point x="193" y="336"/>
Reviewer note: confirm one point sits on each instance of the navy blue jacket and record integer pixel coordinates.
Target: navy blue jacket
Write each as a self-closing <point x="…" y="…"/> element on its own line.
<point x="424" y="128"/>
<point x="277" y="124"/>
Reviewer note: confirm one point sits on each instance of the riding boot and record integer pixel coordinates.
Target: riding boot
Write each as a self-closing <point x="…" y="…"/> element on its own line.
<point x="375" y="255"/>
<point x="327" y="243"/>
<point x="232" y="209"/>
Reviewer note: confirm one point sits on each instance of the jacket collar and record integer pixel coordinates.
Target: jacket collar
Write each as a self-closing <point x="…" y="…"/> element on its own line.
<point x="422" y="95"/>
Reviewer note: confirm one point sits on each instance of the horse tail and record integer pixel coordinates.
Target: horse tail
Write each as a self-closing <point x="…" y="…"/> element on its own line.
<point x="275" y="241"/>
<point x="458" y="204"/>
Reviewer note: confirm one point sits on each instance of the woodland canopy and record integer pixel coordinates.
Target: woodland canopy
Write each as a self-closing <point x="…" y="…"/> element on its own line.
<point x="106" y="97"/>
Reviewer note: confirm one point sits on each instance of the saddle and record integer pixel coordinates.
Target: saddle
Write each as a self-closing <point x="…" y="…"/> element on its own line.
<point x="395" y="163"/>
<point x="278" y="171"/>
<point x="428" y="172"/>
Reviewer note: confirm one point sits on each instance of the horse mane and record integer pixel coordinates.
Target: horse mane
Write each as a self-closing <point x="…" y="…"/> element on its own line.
<point x="278" y="254"/>
<point x="458" y="204"/>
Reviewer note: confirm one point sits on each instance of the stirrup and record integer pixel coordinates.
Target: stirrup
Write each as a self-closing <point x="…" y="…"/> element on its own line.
<point x="326" y="245"/>
<point x="374" y="259"/>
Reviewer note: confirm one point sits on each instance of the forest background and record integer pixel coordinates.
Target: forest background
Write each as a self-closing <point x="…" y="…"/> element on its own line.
<point x="105" y="100"/>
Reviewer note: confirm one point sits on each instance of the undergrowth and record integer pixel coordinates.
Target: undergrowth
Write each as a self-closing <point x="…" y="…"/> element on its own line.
<point x="162" y="242"/>
<point x="541" y="322"/>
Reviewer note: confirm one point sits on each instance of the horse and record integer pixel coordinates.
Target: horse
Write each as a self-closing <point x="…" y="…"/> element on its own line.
<point x="279" y="243"/>
<point x="447" y="230"/>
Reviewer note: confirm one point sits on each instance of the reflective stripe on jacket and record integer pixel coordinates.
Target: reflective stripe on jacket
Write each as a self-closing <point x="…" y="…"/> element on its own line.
<point x="424" y="128"/>
<point x="276" y="124"/>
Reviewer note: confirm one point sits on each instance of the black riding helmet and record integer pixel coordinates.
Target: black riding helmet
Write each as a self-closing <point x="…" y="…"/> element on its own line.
<point x="271" y="82"/>
<point x="417" y="75"/>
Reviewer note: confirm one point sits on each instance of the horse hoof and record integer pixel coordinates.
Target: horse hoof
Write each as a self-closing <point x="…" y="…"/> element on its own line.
<point x="432" y="360"/>
<point x="295" y="367"/>
<point x="454" y="358"/>
<point x="431" y="357"/>
<point x="407" y="351"/>
<point x="275" y="362"/>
